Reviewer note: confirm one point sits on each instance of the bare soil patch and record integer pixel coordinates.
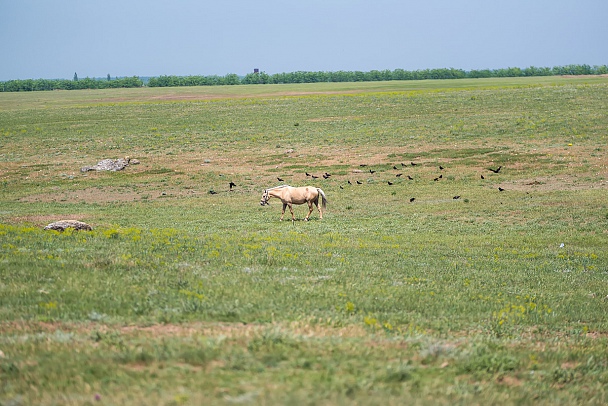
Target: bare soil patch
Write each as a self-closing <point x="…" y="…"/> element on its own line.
<point x="110" y="195"/>
<point x="209" y="329"/>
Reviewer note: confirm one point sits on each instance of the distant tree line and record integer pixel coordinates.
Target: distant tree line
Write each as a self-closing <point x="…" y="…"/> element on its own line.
<point x="294" y="77"/>
<point x="173" y="81"/>
<point x="400" y="74"/>
<point x="30" y="85"/>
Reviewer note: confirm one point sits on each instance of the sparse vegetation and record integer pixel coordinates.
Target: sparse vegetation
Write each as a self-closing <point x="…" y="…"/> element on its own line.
<point x="179" y="296"/>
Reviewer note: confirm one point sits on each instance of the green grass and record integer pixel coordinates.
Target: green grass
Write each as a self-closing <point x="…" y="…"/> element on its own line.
<point x="179" y="296"/>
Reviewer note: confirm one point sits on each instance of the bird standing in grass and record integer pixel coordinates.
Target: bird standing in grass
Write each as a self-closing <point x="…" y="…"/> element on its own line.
<point x="496" y="170"/>
<point x="280" y="180"/>
<point x="232" y="184"/>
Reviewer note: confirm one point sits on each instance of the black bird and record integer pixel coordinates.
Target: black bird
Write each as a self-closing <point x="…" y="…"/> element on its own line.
<point x="349" y="182"/>
<point x="402" y="164"/>
<point x="362" y="165"/>
<point x="456" y="197"/>
<point x="325" y="176"/>
<point x="359" y="183"/>
<point x="412" y="199"/>
<point x="482" y="177"/>
<point x="307" y="174"/>
<point x="500" y="189"/>
<point x="341" y="187"/>
<point x="232" y="184"/>
<point x="390" y="183"/>
<point x="413" y="164"/>
<point x="436" y="179"/>
<point x="314" y="177"/>
<point x="496" y="170"/>
<point x="370" y="171"/>
<point x="399" y="175"/>
<point x="441" y="168"/>
<point x="280" y="180"/>
<point x="394" y="167"/>
<point x="212" y="192"/>
<point x="409" y="177"/>
<point x="440" y="176"/>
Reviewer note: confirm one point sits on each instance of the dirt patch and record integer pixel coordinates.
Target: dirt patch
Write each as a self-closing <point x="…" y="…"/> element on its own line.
<point x="552" y="183"/>
<point x="330" y="119"/>
<point x="509" y="381"/>
<point x="109" y="195"/>
<point x="209" y="329"/>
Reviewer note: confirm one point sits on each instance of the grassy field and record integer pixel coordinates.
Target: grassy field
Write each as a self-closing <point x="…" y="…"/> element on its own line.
<point x="441" y="289"/>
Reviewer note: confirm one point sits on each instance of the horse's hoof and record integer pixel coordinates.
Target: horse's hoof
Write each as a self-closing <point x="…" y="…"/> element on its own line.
<point x="306" y="219"/>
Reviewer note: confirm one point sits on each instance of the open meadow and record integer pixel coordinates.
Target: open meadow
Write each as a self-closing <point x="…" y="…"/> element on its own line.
<point x="439" y="289"/>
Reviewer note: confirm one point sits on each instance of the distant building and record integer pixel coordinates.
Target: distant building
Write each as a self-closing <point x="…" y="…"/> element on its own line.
<point x="256" y="70"/>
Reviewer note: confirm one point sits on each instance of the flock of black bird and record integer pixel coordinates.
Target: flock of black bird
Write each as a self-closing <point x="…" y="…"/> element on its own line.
<point x="327" y="175"/>
<point x="436" y="179"/>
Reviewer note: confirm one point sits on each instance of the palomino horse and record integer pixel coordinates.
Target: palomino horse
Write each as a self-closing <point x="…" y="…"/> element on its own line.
<point x="296" y="195"/>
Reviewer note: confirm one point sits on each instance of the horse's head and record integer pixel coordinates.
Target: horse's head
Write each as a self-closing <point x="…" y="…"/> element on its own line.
<point x="265" y="198"/>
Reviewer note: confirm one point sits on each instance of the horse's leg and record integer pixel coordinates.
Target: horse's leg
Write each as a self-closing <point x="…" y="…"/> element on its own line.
<point x="309" y="211"/>
<point x="293" y="218"/>
<point x="283" y="211"/>
<point x="319" y="208"/>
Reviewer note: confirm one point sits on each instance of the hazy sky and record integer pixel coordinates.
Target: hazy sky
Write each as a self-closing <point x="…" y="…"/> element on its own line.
<point x="54" y="38"/>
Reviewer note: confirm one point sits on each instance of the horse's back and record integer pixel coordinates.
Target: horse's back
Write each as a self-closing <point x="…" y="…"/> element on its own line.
<point x="302" y="194"/>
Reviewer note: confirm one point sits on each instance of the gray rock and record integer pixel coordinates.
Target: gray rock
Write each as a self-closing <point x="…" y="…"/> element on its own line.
<point x="63" y="224"/>
<point x="109" y="165"/>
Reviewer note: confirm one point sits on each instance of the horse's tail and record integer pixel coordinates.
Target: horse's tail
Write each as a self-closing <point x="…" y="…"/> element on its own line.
<point x="323" y="198"/>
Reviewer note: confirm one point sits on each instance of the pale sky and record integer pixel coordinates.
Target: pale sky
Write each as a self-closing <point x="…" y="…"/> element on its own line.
<point x="52" y="39"/>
